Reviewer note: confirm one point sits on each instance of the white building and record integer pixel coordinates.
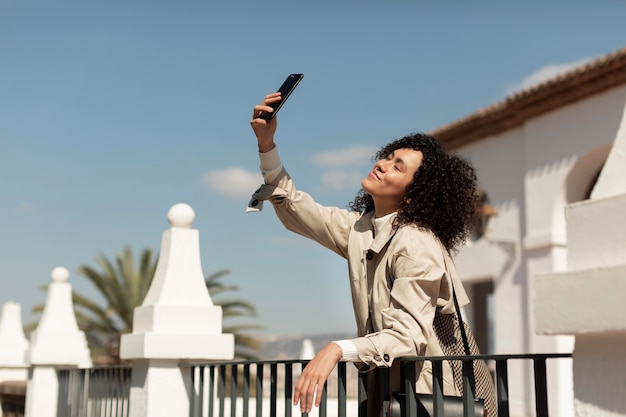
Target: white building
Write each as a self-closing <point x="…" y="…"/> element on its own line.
<point x="536" y="153"/>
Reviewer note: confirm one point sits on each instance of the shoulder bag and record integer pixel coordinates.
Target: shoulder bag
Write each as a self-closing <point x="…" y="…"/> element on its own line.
<point x="456" y="339"/>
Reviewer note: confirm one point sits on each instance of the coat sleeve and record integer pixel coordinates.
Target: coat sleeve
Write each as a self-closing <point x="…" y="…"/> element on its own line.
<point x="416" y="271"/>
<point x="299" y="213"/>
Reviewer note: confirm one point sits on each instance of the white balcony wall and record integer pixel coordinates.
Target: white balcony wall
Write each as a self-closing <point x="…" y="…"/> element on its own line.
<point x="531" y="174"/>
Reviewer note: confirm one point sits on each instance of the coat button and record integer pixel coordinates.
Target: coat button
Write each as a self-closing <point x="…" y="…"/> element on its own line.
<point x="369" y="255"/>
<point x="386" y="357"/>
<point x="254" y="203"/>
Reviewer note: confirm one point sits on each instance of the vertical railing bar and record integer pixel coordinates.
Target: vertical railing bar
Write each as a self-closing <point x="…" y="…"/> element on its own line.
<point x="259" y="390"/>
<point x="437" y="367"/>
<point x="72" y="394"/>
<point x="120" y="404"/>
<point x="120" y="393"/>
<point x="288" y="388"/>
<point x="84" y="403"/>
<point x="273" y="388"/>
<point x="211" y="391"/>
<point x="78" y="388"/>
<point x="193" y="406"/>
<point x="96" y="392"/>
<point x="115" y="392"/>
<point x="541" y="387"/>
<point x="95" y="397"/>
<point x="112" y="392"/>
<point x="245" y="411"/>
<point x="61" y="396"/>
<point x="383" y="377"/>
<point x="234" y="388"/>
<point x="502" y="387"/>
<point x="221" y="389"/>
<point x="82" y="396"/>
<point x="323" y="410"/>
<point x="409" y="376"/>
<point x="201" y="382"/>
<point x="126" y="374"/>
<point x="362" y="394"/>
<point x="468" y="387"/>
<point x="69" y="400"/>
<point x="101" y="379"/>
<point x="341" y="389"/>
<point x="119" y="410"/>
<point x="105" y="381"/>
<point x="75" y="392"/>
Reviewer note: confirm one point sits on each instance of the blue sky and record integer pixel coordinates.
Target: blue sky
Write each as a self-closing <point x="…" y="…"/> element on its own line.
<point x="112" y="112"/>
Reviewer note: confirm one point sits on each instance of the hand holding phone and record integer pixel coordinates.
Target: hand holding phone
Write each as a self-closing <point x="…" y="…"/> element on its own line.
<point x="286" y="89"/>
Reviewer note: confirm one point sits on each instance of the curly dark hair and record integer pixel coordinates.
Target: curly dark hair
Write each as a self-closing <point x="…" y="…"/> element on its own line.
<point x="442" y="197"/>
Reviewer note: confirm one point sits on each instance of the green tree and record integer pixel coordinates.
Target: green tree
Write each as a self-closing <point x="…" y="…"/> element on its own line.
<point x="246" y="346"/>
<point x="123" y="285"/>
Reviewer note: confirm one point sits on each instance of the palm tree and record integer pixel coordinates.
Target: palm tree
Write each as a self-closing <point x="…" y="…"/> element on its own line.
<point x="123" y="286"/>
<point x="246" y="346"/>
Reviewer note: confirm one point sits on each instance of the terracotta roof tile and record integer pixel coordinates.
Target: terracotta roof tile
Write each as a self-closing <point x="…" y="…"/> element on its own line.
<point x="579" y="83"/>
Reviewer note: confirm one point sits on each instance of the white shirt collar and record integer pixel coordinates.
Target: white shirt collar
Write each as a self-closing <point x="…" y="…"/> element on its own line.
<point x="380" y="222"/>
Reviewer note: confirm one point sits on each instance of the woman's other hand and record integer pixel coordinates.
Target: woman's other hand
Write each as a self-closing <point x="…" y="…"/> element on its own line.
<point x="314" y="376"/>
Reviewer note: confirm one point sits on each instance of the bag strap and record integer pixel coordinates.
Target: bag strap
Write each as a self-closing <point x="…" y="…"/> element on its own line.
<point x="466" y="347"/>
<point x="461" y="323"/>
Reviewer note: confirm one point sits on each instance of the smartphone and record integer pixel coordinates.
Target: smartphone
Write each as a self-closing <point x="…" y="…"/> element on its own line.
<point x="286" y="89"/>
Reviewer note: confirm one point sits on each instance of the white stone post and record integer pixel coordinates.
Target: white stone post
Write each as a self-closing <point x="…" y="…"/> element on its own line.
<point x="177" y="322"/>
<point x="56" y="343"/>
<point x="13" y="345"/>
<point x="588" y="300"/>
<point x="307" y="351"/>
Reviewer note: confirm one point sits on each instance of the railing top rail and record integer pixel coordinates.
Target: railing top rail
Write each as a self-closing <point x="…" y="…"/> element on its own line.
<point x="489" y="357"/>
<point x="245" y="362"/>
<point x="496" y="357"/>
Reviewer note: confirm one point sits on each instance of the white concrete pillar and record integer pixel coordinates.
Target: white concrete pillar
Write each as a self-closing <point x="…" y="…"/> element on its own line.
<point x="307" y="351"/>
<point x="13" y="345"/>
<point x="57" y="342"/>
<point x="588" y="299"/>
<point x="176" y="322"/>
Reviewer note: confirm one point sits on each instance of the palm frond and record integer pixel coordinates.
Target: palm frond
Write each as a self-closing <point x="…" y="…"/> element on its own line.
<point x="123" y="284"/>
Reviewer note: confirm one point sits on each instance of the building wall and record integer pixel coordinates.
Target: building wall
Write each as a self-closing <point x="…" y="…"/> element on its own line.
<point x="530" y="174"/>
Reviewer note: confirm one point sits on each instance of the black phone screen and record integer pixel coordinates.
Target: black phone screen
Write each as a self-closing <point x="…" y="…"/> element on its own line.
<point x="286" y="89"/>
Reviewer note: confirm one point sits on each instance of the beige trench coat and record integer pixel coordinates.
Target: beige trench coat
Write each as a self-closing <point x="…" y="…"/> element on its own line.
<point x="397" y="278"/>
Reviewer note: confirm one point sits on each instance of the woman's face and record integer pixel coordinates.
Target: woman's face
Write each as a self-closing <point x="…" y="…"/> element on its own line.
<point x="387" y="182"/>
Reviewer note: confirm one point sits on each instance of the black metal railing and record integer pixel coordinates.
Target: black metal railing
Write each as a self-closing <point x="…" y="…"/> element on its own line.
<point x="501" y="382"/>
<point x="265" y="388"/>
<point x="13" y="398"/>
<point x="246" y="389"/>
<point x="94" y="392"/>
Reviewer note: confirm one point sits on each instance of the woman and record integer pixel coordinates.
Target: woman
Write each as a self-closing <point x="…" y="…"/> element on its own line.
<point x="416" y="205"/>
